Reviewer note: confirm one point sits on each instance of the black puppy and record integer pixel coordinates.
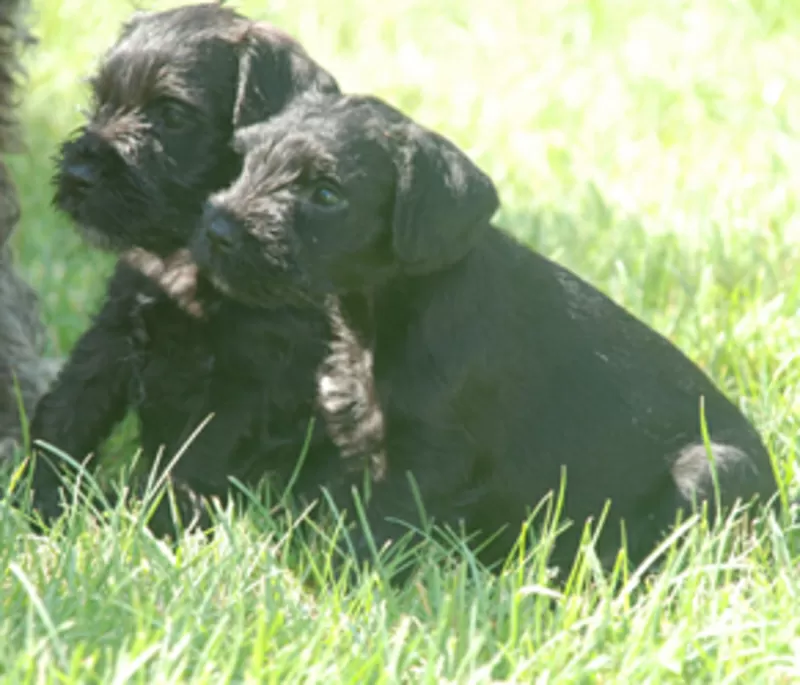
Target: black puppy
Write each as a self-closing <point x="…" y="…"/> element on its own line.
<point x="493" y="367"/>
<point x="167" y="98"/>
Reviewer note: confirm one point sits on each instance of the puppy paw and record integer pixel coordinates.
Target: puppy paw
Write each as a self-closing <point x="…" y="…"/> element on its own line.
<point x="176" y="275"/>
<point x="392" y="560"/>
<point x="179" y="281"/>
<point x="187" y="512"/>
<point x="47" y="508"/>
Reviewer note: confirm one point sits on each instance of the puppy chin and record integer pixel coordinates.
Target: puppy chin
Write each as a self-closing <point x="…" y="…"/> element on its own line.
<point x="256" y="285"/>
<point x="74" y="208"/>
<point x="229" y="289"/>
<point x="209" y="265"/>
<point x="252" y="293"/>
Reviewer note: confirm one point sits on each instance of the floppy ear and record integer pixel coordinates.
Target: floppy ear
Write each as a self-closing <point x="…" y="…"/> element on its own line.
<point x="273" y="69"/>
<point x="443" y="202"/>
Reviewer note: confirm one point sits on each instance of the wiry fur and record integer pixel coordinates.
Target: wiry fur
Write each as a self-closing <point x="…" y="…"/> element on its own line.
<point x="23" y="373"/>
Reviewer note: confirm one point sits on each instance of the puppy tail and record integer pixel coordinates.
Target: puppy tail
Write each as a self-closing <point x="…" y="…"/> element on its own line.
<point x="738" y="475"/>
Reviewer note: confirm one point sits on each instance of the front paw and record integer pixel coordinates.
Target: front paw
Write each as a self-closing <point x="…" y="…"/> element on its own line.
<point x="47" y="507"/>
<point x="388" y="551"/>
<point x="185" y="511"/>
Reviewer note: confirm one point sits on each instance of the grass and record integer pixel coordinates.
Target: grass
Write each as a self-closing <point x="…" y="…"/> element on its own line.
<point x="654" y="148"/>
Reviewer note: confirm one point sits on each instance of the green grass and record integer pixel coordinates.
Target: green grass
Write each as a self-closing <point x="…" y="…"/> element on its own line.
<point x="653" y="147"/>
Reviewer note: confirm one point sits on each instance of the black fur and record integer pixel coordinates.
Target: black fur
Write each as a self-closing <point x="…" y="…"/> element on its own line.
<point x="167" y="98"/>
<point x="494" y="368"/>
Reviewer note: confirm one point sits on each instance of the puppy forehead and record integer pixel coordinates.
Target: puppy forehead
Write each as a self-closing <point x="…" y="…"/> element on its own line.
<point x="320" y="134"/>
<point x="156" y="52"/>
<point x="135" y="77"/>
<point x="314" y="153"/>
<point x="269" y="157"/>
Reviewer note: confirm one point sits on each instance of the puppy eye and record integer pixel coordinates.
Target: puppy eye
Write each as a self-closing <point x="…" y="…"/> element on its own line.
<point x="174" y="115"/>
<point x="326" y="195"/>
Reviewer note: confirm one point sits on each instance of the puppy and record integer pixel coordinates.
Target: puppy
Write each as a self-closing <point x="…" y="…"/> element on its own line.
<point x="24" y="374"/>
<point x="167" y="98"/>
<point x="493" y="367"/>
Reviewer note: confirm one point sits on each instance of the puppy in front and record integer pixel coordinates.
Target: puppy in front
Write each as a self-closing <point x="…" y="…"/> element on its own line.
<point x="493" y="367"/>
<point x="167" y="98"/>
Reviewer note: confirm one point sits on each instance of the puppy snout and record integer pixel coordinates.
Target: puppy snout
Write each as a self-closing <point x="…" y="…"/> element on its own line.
<point x="79" y="167"/>
<point x="221" y="230"/>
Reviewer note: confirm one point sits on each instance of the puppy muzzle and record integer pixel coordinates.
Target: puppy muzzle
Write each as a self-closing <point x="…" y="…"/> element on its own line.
<point x="85" y="163"/>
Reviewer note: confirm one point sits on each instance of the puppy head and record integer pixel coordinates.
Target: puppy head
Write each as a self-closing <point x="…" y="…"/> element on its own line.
<point x="166" y="100"/>
<point x="341" y="194"/>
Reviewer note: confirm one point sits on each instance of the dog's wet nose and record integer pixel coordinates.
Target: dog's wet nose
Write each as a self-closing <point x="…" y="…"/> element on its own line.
<point x="81" y="173"/>
<point x="221" y="231"/>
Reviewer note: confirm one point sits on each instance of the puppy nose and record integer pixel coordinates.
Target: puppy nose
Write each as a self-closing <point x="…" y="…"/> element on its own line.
<point x="221" y="231"/>
<point x="81" y="173"/>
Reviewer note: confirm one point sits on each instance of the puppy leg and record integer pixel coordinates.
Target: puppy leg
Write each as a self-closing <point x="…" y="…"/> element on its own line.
<point x="202" y="469"/>
<point x="89" y="397"/>
<point x="428" y="465"/>
<point x="206" y="462"/>
<point x="191" y="507"/>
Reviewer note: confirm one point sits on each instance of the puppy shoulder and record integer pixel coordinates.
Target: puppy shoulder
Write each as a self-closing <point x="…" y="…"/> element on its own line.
<point x="488" y="289"/>
<point x="460" y="312"/>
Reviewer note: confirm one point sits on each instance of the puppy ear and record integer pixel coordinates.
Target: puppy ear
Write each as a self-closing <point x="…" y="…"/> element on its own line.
<point x="273" y="69"/>
<point x="443" y="202"/>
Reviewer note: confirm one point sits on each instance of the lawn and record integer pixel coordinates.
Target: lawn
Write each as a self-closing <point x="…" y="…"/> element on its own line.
<point x="654" y="148"/>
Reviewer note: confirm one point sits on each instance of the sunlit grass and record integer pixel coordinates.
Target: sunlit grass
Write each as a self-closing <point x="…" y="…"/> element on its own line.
<point x="652" y="147"/>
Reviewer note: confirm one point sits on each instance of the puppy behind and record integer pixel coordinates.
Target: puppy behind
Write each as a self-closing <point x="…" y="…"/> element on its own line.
<point x="493" y="366"/>
<point x="23" y="373"/>
<point x="167" y="98"/>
